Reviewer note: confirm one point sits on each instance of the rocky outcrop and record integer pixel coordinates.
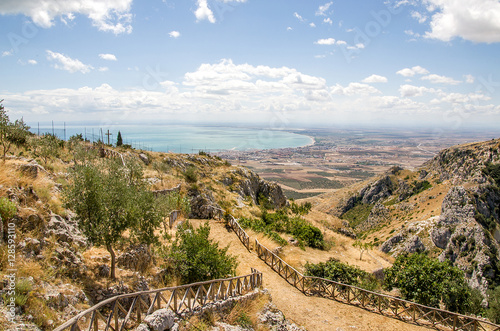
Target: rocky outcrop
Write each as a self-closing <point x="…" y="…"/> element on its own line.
<point x="378" y="215"/>
<point x="370" y="194"/>
<point x="203" y="205"/>
<point x="136" y="258"/>
<point x="457" y="207"/>
<point x="248" y="184"/>
<point x="464" y="163"/>
<point x="65" y="230"/>
<point x="32" y="169"/>
<point x="68" y="261"/>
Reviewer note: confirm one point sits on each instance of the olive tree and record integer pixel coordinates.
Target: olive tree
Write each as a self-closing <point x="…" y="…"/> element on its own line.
<point x="113" y="205"/>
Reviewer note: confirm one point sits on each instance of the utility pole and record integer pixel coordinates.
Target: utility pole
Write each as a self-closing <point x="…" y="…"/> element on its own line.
<point x="108" y="134"/>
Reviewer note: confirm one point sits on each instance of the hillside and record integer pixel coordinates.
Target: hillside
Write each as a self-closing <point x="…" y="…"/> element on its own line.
<point x="448" y="208"/>
<point x="59" y="271"/>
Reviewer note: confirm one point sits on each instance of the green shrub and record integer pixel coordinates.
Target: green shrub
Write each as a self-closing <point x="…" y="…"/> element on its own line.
<point x="7" y="209"/>
<point x="493" y="312"/>
<point x="195" y="258"/>
<point x="190" y="175"/>
<point x="342" y="273"/>
<point x="429" y="282"/>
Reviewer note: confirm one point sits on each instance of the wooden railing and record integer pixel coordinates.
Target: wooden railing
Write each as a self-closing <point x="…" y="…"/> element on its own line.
<point x="124" y="312"/>
<point x="376" y="302"/>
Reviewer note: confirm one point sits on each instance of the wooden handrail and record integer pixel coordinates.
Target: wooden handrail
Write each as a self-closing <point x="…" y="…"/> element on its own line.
<point x="111" y="312"/>
<point x="375" y="302"/>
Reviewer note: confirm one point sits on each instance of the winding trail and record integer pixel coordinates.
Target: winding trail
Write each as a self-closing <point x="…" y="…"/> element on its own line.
<point x="314" y="313"/>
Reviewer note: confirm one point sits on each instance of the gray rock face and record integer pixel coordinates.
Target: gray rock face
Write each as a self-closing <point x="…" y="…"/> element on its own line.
<point x="252" y="185"/>
<point x="203" y="205"/>
<point x="136" y="258"/>
<point x="413" y="245"/>
<point x="160" y="320"/>
<point x="378" y="190"/>
<point x="457" y="207"/>
<point x="389" y="245"/>
<point x="440" y="236"/>
<point x="370" y="194"/>
<point x="275" y="319"/>
<point x="65" y="230"/>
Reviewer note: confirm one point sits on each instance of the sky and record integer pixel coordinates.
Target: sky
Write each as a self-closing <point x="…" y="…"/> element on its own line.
<point x="274" y="63"/>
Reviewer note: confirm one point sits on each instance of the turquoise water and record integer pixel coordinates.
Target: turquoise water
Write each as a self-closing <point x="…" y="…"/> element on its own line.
<point x="185" y="139"/>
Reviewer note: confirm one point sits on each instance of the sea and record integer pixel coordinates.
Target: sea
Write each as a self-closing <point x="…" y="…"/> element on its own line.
<point x="183" y="138"/>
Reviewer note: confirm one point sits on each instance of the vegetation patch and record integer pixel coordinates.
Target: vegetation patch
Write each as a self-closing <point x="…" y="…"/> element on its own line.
<point x="358" y="214"/>
<point x="342" y="273"/>
<point x="280" y="222"/>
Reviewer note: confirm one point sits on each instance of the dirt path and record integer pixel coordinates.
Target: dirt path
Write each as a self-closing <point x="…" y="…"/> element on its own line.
<point x="313" y="313"/>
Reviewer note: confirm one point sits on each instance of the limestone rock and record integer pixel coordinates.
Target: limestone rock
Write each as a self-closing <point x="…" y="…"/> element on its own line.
<point x="390" y="244"/>
<point x="457" y="206"/>
<point x="144" y="158"/>
<point x="203" y="205"/>
<point x="414" y="245"/>
<point x="31" y="169"/>
<point x="440" y="236"/>
<point x="136" y="258"/>
<point x="68" y="261"/>
<point x="160" y="320"/>
<point x="65" y="230"/>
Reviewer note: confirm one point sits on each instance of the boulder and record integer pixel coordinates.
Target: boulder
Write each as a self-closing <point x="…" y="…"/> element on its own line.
<point x="160" y="320"/>
<point x="390" y="244"/>
<point x="144" y="158"/>
<point x="440" y="236"/>
<point x="31" y="169"/>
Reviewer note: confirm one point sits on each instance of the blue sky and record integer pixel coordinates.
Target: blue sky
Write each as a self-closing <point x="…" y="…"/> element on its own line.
<point x="276" y="63"/>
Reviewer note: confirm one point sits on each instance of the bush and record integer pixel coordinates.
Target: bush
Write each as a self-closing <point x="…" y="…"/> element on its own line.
<point x="342" y="273"/>
<point x="7" y="209"/>
<point x="429" y="282"/>
<point x="270" y="223"/>
<point x="195" y="258"/>
<point x="190" y="175"/>
<point x="493" y="312"/>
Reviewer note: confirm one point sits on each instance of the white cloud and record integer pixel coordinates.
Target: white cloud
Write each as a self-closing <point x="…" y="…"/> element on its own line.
<point x="312" y="25"/>
<point x="32" y="62"/>
<point x="419" y="17"/>
<point x="410" y="72"/>
<point x="414" y="91"/>
<point x="103" y="69"/>
<point x="113" y="16"/>
<point x="353" y="89"/>
<point x="375" y="79"/>
<point x="7" y="53"/>
<point x="64" y="62"/>
<point x="474" y="20"/>
<point x="323" y="9"/>
<point x="328" y="41"/>
<point x="328" y="20"/>
<point x="469" y="79"/>
<point x="174" y="34"/>
<point x="203" y="12"/>
<point x="108" y="57"/>
<point x="341" y="42"/>
<point x="357" y="46"/>
<point x="437" y="79"/>
<point x="289" y="28"/>
<point x="297" y="16"/>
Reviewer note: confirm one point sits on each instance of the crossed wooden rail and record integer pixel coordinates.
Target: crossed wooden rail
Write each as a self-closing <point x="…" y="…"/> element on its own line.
<point x="376" y="302"/>
<point x="124" y="312"/>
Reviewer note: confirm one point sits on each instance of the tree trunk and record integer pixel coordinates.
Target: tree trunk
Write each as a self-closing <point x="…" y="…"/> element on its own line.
<point x="113" y="261"/>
